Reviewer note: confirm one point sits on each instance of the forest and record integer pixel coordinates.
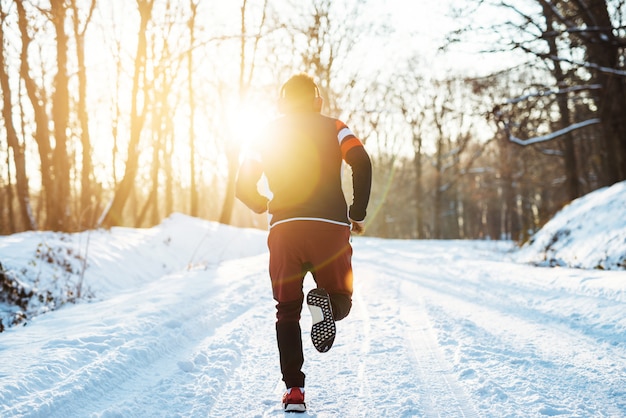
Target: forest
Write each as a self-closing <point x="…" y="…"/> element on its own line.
<point x="122" y="112"/>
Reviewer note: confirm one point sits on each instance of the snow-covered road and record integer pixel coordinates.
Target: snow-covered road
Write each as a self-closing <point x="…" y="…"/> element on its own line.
<point x="494" y="338"/>
<point x="438" y="328"/>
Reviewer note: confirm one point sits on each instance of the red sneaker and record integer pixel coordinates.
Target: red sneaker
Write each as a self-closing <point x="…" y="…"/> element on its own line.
<point x="293" y="400"/>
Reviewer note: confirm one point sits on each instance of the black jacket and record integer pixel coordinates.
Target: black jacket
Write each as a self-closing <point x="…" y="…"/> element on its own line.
<point x="301" y="155"/>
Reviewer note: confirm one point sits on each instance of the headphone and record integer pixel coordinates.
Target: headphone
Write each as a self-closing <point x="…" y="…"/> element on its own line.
<point x="284" y="105"/>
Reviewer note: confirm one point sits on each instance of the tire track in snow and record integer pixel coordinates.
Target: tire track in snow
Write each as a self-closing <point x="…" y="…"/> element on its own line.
<point x="139" y="368"/>
<point x="437" y="392"/>
<point x="338" y="381"/>
<point x="531" y="346"/>
<point x="497" y="351"/>
<point x="443" y="396"/>
<point x="109" y="367"/>
<point x="205" y="367"/>
<point x="237" y="367"/>
<point x="233" y="370"/>
<point x="365" y="343"/>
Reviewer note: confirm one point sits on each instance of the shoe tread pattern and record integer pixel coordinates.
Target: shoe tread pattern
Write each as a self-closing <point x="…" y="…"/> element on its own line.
<point x="322" y="333"/>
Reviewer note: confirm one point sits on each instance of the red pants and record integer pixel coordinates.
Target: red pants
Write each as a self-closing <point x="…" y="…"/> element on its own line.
<point x="322" y="248"/>
<point x="297" y="247"/>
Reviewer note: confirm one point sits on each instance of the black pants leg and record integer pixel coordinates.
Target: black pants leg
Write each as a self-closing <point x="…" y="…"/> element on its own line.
<point x="289" y="338"/>
<point x="341" y="304"/>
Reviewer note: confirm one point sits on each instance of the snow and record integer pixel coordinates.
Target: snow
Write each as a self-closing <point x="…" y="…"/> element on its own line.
<point x="588" y="233"/>
<point x="178" y="321"/>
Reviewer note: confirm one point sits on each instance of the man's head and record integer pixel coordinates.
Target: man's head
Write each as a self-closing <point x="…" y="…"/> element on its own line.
<point x="300" y="94"/>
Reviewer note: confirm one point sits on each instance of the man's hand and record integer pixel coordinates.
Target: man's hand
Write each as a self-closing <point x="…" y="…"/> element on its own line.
<point x="260" y="206"/>
<point x="358" y="227"/>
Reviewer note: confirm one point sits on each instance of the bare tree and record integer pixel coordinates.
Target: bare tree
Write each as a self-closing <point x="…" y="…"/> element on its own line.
<point x="412" y="90"/>
<point x="113" y="214"/>
<point x="165" y="99"/>
<point x="193" y="5"/>
<point x="6" y="199"/>
<point x="569" y="154"/>
<point x="452" y="136"/>
<point x="25" y="211"/>
<point x="331" y="31"/>
<point x="589" y="23"/>
<point x="60" y="217"/>
<point x="37" y="99"/>
<point x="87" y="208"/>
<point x="582" y="40"/>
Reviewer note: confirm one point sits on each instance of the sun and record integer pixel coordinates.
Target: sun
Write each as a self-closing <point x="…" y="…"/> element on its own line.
<point x="247" y="121"/>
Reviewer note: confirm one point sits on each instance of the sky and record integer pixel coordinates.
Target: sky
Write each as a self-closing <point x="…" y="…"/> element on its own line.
<point x="423" y="26"/>
<point x="178" y="321"/>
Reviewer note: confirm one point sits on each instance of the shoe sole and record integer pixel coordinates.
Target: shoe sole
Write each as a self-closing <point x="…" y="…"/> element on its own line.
<point x="323" y="330"/>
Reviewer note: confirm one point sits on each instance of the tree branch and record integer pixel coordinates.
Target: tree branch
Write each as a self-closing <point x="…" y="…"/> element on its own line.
<point x="551" y="92"/>
<point x="553" y="135"/>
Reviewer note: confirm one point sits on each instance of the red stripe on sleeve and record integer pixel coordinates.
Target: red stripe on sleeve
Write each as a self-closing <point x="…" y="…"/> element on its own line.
<point x="348" y="144"/>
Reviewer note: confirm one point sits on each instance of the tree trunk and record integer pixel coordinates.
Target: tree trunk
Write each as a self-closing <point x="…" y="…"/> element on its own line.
<point x="60" y="115"/>
<point x="159" y="133"/>
<point x="87" y="210"/>
<point x="114" y="214"/>
<point x="21" y="178"/>
<point x="42" y="134"/>
<point x="169" y="174"/>
<point x="604" y="51"/>
<point x="438" y="203"/>
<point x="509" y="227"/>
<point x="6" y="202"/>
<point x="569" y="151"/>
<point x="418" y="190"/>
<point x="192" y="110"/>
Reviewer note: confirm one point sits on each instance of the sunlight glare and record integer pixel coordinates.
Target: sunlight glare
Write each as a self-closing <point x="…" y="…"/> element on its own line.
<point x="246" y="123"/>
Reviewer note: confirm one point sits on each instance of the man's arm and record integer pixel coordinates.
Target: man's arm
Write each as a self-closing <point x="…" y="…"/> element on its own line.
<point x="361" y="165"/>
<point x="249" y="175"/>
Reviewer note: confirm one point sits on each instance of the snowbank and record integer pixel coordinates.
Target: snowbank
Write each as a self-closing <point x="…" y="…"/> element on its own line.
<point x="589" y="233"/>
<point x="40" y="271"/>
